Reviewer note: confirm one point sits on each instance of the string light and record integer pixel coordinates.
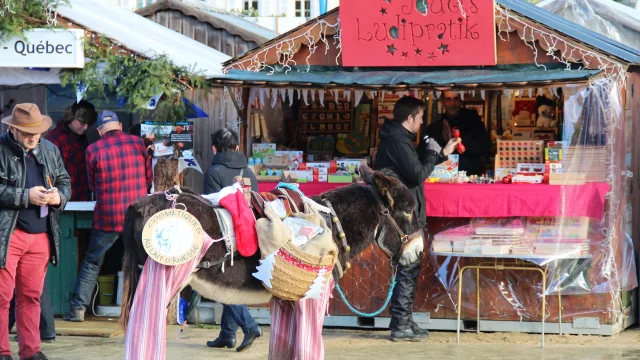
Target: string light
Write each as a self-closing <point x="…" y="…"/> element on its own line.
<point x="286" y="49"/>
<point x="570" y="52"/>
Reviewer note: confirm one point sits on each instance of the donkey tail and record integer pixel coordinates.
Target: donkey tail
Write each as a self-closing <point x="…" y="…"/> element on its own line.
<point x="129" y="265"/>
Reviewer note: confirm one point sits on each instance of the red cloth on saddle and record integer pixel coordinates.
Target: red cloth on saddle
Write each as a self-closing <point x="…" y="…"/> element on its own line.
<point x="244" y="224"/>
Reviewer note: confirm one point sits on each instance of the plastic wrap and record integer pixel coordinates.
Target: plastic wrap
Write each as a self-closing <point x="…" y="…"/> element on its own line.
<point x="606" y="17"/>
<point x="587" y="263"/>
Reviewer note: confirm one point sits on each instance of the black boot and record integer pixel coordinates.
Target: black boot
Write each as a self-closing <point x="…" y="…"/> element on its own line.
<point x="407" y="335"/>
<point x="418" y="330"/>
<point x="249" y="337"/>
<point x="221" y="342"/>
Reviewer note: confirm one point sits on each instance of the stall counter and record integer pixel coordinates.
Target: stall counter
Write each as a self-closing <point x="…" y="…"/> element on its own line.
<point x="506" y="200"/>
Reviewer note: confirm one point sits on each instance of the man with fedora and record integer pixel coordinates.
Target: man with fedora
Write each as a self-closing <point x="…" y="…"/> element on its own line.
<point x="34" y="188"/>
<point x="119" y="173"/>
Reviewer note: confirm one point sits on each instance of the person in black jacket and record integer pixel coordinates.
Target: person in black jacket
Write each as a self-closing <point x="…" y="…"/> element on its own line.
<point x="396" y="152"/>
<point x="226" y="165"/>
<point x="475" y="137"/>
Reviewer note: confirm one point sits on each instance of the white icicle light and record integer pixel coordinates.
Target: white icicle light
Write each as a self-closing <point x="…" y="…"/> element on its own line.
<point x="290" y="94"/>
<point x="482" y="93"/>
<point x="305" y="93"/>
<point x="321" y="97"/>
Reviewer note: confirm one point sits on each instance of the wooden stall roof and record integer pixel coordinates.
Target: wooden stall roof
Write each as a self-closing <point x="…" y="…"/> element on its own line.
<point x="528" y="14"/>
<point x="203" y="14"/>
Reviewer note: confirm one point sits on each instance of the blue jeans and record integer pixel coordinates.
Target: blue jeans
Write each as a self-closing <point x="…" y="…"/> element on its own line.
<point x="232" y="316"/>
<point x="99" y="243"/>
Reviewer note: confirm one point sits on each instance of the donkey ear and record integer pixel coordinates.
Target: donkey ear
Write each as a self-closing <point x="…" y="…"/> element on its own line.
<point x="366" y="173"/>
<point x="383" y="185"/>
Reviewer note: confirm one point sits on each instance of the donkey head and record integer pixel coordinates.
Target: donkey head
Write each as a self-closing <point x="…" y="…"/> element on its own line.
<point x="398" y="234"/>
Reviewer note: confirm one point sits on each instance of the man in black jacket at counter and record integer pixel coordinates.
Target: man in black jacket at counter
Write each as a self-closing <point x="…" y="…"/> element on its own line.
<point x="475" y="137"/>
<point x="396" y="152"/>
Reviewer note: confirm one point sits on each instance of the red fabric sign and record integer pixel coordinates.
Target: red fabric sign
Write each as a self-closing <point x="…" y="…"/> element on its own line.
<point x="418" y="32"/>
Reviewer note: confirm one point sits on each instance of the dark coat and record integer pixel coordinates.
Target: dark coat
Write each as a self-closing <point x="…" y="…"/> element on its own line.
<point x="396" y="152"/>
<point x="474" y="136"/>
<point x="224" y="167"/>
<point x="14" y="196"/>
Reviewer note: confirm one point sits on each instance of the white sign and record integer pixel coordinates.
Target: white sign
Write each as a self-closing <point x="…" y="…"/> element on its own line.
<point x="172" y="237"/>
<point x="45" y="48"/>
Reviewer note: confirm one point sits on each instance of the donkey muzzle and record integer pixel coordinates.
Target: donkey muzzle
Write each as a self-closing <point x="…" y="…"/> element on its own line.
<point x="412" y="249"/>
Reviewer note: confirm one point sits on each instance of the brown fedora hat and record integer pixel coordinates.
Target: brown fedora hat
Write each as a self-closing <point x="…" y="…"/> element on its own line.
<point x="27" y="117"/>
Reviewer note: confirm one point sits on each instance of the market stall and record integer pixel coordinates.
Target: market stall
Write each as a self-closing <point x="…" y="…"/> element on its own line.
<point x="81" y="38"/>
<point x="554" y="196"/>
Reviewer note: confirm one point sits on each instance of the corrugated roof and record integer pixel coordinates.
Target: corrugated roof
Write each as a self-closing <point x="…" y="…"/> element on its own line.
<point x="570" y="29"/>
<point x="232" y="23"/>
<point x="425" y="77"/>
<point x="142" y="35"/>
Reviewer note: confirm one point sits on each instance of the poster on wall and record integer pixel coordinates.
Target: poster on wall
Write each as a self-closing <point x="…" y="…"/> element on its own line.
<point x="169" y="137"/>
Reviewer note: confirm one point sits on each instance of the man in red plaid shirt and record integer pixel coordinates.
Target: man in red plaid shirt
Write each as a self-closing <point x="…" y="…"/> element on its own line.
<point x="119" y="173"/>
<point x="69" y="136"/>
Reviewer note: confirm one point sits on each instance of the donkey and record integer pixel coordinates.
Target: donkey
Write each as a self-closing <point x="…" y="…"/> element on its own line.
<point x="383" y="210"/>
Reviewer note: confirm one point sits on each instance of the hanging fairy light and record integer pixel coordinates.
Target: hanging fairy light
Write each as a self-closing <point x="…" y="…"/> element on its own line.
<point x="285" y="50"/>
<point x="570" y="52"/>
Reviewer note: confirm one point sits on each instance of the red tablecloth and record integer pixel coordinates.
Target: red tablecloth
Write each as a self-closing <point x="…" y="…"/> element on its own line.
<point x="503" y="200"/>
<point x="309" y="188"/>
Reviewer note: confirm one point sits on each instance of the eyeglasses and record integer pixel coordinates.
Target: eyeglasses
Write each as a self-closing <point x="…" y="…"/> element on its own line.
<point x="28" y="135"/>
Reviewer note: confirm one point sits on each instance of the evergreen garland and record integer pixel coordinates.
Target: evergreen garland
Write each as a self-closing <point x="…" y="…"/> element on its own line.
<point x="18" y="16"/>
<point x="136" y="79"/>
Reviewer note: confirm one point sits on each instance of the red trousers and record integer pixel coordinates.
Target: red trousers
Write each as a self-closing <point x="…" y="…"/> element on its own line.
<point x="27" y="261"/>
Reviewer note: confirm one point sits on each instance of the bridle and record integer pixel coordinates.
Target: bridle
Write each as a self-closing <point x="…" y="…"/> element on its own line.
<point x="385" y="214"/>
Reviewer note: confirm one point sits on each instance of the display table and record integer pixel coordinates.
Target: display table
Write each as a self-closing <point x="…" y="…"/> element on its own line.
<point x="537" y="263"/>
<point x="77" y="215"/>
<point x="308" y="188"/>
<point x="505" y="200"/>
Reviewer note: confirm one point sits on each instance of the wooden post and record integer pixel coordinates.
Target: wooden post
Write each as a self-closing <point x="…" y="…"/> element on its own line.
<point x="165" y="174"/>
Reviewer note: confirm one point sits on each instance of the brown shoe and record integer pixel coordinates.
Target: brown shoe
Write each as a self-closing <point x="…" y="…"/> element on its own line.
<point x="76" y="315"/>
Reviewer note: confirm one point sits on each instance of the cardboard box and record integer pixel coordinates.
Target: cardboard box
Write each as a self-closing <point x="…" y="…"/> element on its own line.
<point x="295" y="158"/>
<point x="261" y="150"/>
<point x="340" y="178"/>
<point x="277" y="161"/>
<point x="511" y="152"/>
<point x="313" y="165"/>
<point x="530" y="168"/>
<point x="447" y="169"/>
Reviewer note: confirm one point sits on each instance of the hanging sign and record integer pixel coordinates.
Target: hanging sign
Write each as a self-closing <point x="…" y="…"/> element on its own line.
<point x="418" y="32"/>
<point x="44" y="48"/>
<point x="172" y="237"/>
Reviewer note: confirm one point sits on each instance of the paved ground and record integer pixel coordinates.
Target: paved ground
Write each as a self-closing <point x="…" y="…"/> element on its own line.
<point x="369" y="345"/>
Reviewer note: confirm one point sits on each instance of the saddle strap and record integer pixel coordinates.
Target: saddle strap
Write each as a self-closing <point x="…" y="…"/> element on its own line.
<point x="338" y="225"/>
<point x="208" y="264"/>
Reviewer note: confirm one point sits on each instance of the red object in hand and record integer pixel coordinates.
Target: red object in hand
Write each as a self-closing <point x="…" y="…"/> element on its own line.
<point x="456" y="134"/>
